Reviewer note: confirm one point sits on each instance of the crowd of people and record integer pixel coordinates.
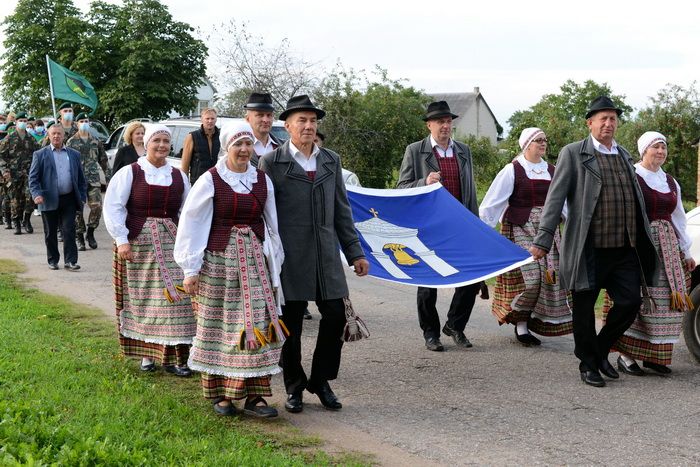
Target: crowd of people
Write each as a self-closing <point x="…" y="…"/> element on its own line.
<point x="215" y="262"/>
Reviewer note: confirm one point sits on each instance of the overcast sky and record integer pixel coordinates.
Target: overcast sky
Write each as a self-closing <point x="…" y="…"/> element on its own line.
<point x="514" y="51"/>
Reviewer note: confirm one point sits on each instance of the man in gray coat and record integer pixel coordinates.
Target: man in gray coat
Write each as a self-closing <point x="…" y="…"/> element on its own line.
<point x="438" y="158"/>
<point x="314" y="218"/>
<point x="606" y="241"/>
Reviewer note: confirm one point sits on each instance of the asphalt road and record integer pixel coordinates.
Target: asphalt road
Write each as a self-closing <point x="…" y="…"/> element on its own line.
<point x="497" y="403"/>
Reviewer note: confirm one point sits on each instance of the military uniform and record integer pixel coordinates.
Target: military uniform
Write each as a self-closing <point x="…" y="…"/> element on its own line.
<point x="93" y="158"/>
<point x="15" y="158"/>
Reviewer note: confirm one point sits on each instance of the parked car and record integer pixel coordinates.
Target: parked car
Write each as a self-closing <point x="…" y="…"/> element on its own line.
<point x="116" y="140"/>
<point x="691" y="321"/>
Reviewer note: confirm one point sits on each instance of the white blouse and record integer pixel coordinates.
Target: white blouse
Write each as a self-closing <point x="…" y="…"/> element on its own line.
<point x="198" y="212"/>
<point x="119" y="190"/>
<point x="494" y="204"/>
<point x="657" y="181"/>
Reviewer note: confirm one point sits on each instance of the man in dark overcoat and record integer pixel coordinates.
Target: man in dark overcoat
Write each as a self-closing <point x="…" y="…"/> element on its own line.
<point x="606" y="241"/>
<point x="314" y="219"/>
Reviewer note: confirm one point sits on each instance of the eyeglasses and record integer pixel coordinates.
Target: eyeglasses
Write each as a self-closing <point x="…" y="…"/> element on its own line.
<point x="539" y="140"/>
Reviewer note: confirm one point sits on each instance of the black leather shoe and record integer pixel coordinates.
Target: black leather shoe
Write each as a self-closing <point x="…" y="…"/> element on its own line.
<point x="28" y="222"/>
<point x="72" y="266"/>
<point x="182" y="371"/>
<point x="307" y="314"/>
<point x="53" y="266"/>
<point x="294" y="404"/>
<point x="80" y="241"/>
<point x="607" y="369"/>
<point x="457" y="336"/>
<point x="434" y="344"/>
<point x="632" y="369"/>
<point x="527" y="339"/>
<point x="325" y="395"/>
<point x="592" y="378"/>
<point x="657" y="367"/>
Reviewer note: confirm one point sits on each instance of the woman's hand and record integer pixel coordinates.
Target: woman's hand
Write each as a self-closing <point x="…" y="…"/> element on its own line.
<point x="191" y="284"/>
<point x="124" y="252"/>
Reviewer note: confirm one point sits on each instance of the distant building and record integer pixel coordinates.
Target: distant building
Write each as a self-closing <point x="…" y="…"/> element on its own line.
<point x="203" y="99"/>
<point x="475" y="115"/>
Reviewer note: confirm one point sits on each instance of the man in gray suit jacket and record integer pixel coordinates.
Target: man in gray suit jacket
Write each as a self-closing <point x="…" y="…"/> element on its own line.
<point x="57" y="185"/>
<point x="606" y="241"/>
<point x="434" y="159"/>
<point x="314" y="217"/>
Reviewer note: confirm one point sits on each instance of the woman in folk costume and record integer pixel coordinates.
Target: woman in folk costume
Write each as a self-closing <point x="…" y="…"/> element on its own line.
<point x="227" y="231"/>
<point x="141" y="210"/>
<point x="653" y="333"/>
<point x="529" y="297"/>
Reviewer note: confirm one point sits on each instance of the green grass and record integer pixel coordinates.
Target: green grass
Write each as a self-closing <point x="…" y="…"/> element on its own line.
<point x="68" y="398"/>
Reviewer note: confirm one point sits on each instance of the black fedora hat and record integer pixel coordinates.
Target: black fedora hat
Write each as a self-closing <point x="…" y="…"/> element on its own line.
<point x="259" y="101"/>
<point x="301" y="103"/>
<point x="438" y="110"/>
<point x="602" y="103"/>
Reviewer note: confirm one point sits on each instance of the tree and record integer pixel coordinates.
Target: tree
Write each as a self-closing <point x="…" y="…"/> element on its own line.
<point x="34" y="29"/>
<point x="369" y="123"/>
<point x="674" y="112"/>
<point x="561" y="116"/>
<point x="249" y="65"/>
<point x="140" y="62"/>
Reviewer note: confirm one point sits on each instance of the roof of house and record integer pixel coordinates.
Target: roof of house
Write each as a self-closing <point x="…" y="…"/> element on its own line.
<point x="460" y="102"/>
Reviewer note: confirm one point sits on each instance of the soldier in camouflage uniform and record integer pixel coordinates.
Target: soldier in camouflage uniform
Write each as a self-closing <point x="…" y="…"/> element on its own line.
<point x="93" y="158"/>
<point x="16" y="152"/>
<point x="5" y="184"/>
<point x="65" y="118"/>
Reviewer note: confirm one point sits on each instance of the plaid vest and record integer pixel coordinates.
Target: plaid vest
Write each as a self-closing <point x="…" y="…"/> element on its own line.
<point x="527" y="194"/>
<point x="659" y="206"/>
<point x="614" y="222"/>
<point x="449" y="173"/>
<point x="236" y="209"/>
<point x="152" y="200"/>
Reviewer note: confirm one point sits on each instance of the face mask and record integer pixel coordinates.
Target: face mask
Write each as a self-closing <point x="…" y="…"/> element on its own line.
<point x="3" y="127"/>
<point x="39" y="130"/>
<point x="22" y="125"/>
<point x="84" y="127"/>
<point x="68" y="116"/>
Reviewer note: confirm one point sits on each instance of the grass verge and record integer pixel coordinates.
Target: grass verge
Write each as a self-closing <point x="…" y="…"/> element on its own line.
<point x="68" y="398"/>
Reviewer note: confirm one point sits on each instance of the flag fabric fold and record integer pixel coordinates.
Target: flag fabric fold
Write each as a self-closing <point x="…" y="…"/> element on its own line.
<point x="71" y="86"/>
<point x="424" y="237"/>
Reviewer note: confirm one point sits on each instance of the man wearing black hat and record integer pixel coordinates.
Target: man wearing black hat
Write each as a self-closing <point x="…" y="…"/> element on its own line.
<point x="314" y="216"/>
<point x="94" y="160"/>
<point x="434" y="159"/>
<point x="259" y="113"/>
<point x="606" y="241"/>
<point x="15" y="159"/>
<point x="200" y="149"/>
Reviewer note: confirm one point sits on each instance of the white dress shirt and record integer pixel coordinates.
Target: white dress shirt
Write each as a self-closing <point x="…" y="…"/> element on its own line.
<point x="306" y="163"/>
<point x="603" y="149"/>
<point x="442" y="152"/>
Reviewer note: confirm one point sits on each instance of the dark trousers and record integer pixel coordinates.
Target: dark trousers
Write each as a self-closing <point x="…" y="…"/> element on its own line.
<point x="618" y="271"/>
<point x="64" y="217"/>
<point x="326" y="360"/>
<point x="458" y="314"/>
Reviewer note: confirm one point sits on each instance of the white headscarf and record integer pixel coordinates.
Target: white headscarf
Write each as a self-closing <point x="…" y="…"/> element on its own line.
<point x="153" y="129"/>
<point x="232" y="133"/>
<point x="527" y="136"/>
<point x="649" y="139"/>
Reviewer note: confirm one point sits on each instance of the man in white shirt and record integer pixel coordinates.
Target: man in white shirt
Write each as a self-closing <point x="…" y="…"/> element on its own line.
<point x="260" y="114"/>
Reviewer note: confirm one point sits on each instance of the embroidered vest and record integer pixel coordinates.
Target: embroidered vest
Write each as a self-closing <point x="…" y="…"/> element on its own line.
<point x="659" y="206"/>
<point x="527" y="194"/>
<point x="449" y="173"/>
<point x="236" y="209"/>
<point x="152" y="200"/>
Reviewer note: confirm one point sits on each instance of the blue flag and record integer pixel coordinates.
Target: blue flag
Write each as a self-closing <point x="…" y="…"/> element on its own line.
<point x="424" y="237"/>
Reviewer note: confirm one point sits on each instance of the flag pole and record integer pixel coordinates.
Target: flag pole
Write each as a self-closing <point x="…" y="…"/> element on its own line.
<point x="53" y="101"/>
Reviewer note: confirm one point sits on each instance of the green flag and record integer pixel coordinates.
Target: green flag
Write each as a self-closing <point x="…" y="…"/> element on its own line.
<point x="71" y="86"/>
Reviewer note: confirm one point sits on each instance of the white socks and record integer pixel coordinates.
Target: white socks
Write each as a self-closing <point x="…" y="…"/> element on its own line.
<point x="628" y="360"/>
<point x="522" y="328"/>
<point x="146" y="361"/>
